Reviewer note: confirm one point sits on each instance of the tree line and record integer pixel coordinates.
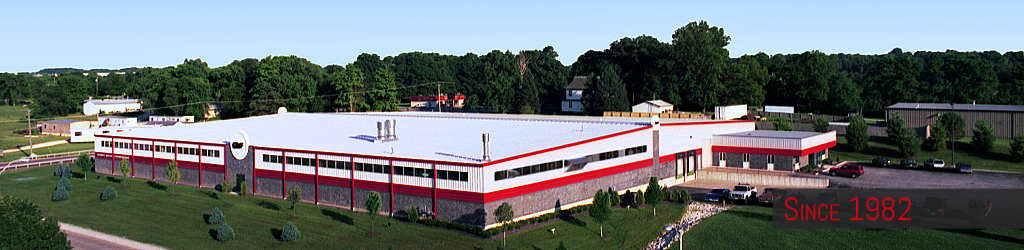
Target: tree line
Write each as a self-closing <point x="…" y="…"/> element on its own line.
<point x="692" y="71"/>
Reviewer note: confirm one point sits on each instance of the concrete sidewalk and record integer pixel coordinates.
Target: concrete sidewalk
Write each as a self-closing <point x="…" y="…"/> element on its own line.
<point x="84" y="238"/>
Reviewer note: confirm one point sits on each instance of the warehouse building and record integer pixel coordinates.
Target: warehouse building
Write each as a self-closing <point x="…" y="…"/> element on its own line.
<point x="454" y="166"/>
<point x="1006" y="120"/>
<point x="64" y="127"/>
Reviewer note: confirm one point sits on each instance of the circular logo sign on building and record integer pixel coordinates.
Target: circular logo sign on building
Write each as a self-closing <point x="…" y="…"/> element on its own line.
<point x="239" y="145"/>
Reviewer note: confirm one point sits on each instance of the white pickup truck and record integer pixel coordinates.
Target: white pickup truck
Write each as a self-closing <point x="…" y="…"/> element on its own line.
<point x="744" y="192"/>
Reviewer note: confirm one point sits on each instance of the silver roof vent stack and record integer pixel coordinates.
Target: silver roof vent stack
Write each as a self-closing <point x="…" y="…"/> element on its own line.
<point x="487" y="140"/>
<point x="394" y="123"/>
<point x="387" y="130"/>
<point x="379" y="135"/>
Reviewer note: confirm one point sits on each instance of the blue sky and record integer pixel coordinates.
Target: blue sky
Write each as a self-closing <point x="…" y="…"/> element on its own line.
<point x="118" y="34"/>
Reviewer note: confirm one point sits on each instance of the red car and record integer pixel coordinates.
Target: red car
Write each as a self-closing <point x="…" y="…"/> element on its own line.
<point x="853" y="171"/>
<point x="769" y="196"/>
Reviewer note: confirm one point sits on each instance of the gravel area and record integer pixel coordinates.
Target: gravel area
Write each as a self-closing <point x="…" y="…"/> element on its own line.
<point x="897" y="177"/>
<point x="695" y="212"/>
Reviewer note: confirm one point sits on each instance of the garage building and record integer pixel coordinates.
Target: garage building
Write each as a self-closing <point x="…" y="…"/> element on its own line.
<point x="1006" y="120"/>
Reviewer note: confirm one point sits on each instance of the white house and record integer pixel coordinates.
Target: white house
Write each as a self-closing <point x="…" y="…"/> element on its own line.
<point x="654" y="106"/>
<point x="92" y="107"/>
<point x="573" y="101"/>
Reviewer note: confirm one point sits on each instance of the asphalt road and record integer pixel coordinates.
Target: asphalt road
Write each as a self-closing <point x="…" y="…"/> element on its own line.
<point x="897" y="177"/>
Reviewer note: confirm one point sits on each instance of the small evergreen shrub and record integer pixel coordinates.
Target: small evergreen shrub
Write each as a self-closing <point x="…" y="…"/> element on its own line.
<point x="225" y="233"/>
<point x="613" y="197"/>
<point x="66" y="171"/>
<point x="675" y="196"/>
<point x="242" y="189"/>
<point x="684" y="196"/>
<point x="414" y="214"/>
<point x="639" y="199"/>
<point x="108" y="194"/>
<point x="57" y="171"/>
<point x="64" y="183"/>
<point x="60" y="195"/>
<point x="290" y="232"/>
<point x="216" y="217"/>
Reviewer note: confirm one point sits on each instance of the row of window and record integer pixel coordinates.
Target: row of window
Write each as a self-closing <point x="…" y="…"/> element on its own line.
<point x="746" y="157"/>
<point x="576" y="164"/>
<point x="161" y="148"/>
<point x="368" y="167"/>
<point x="511" y="173"/>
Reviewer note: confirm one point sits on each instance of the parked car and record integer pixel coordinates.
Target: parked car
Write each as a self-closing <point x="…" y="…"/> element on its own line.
<point x="934" y="164"/>
<point x="853" y="171"/>
<point x="743" y="192"/>
<point x="770" y="195"/>
<point x="935" y="206"/>
<point x="908" y="163"/>
<point x="881" y="162"/>
<point x="717" y="195"/>
<point x="964" y="168"/>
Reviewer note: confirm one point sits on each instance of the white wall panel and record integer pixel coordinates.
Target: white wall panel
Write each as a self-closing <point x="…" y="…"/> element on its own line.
<point x="215" y="160"/>
<point x="260" y="164"/>
<point x="475" y="183"/>
<point x="371" y="176"/>
<point x="300" y="169"/>
<point x="144" y="153"/>
<point x="413" y="180"/>
<point x="187" y="157"/>
<point x="342" y="173"/>
<point x="122" y="151"/>
<point x="818" y="139"/>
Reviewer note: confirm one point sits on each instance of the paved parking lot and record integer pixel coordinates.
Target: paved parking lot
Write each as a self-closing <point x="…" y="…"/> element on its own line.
<point x="897" y="177"/>
<point x="894" y="177"/>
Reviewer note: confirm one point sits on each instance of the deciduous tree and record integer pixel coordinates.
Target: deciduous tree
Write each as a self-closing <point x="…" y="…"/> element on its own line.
<point x="504" y="214"/>
<point x="294" y="196"/>
<point x="172" y="174"/>
<point x="25" y="227"/>
<point x="599" y="210"/>
<point x="372" y="206"/>
<point x="939" y="137"/>
<point x="820" y="125"/>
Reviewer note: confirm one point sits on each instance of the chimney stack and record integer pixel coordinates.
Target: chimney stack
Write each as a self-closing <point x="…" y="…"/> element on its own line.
<point x="387" y="130"/>
<point x="487" y="140"/>
<point x="379" y="136"/>
<point x="394" y="136"/>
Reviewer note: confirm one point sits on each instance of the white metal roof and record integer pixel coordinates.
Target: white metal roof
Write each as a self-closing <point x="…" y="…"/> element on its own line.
<point x="110" y="102"/>
<point x="773" y="134"/>
<point x="454" y="137"/>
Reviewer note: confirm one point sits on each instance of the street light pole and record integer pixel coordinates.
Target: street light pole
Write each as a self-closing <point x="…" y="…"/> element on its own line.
<point x="30" y="146"/>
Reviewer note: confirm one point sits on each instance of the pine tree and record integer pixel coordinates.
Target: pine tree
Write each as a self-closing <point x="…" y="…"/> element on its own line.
<point x="939" y="137"/>
<point x="225" y="233"/>
<point x="613" y="197"/>
<point x="599" y="210"/>
<point x="908" y="143"/>
<point x="640" y="198"/>
<point x="60" y="194"/>
<point x="857" y="133"/>
<point x="820" y="125"/>
<point x="1017" y="148"/>
<point x="527" y="94"/>
<point x="984" y="137"/>
<point x="216" y="216"/>
<point x="653" y="194"/>
<point x="108" y="194"/>
<point x="894" y="128"/>
<point x="290" y="233"/>
<point x="64" y="183"/>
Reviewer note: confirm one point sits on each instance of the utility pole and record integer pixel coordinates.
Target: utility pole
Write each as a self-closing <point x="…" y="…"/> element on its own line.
<point x="952" y="136"/>
<point x="30" y="147"/>
<point x="438" y="97"/>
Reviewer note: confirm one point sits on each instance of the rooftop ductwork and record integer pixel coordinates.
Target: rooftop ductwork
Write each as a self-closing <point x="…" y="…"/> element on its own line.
<point x="386" y="131"/>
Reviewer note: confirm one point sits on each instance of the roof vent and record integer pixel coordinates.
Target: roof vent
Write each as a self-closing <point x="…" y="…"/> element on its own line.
<point x="386" y="131"/>
<point x="487" y="140"/>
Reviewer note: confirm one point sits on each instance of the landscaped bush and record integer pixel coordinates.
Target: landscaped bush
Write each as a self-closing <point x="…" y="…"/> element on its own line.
<point x="613" y="197"/>
<point x="225" y="233"/>
<point x="290" y="233"/>
<point x="684" y="196"/>
<point x="216" y="216"/>
<point x="414" y="214"/>
<point x="62" y="171"/>
<point x="242" y="189"/>
<point x="64" y="183"/>
<point x="60" y="195"/>
<point x="108" y="194"/>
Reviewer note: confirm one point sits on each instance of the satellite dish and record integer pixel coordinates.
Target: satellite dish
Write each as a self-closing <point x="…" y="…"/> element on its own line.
<point x="239" y="145"/>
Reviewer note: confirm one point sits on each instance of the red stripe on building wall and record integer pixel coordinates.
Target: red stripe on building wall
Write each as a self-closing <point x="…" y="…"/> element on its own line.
<point x="372" y="185"/>
<point x="334" y="181"/>
<point x="188" y="164"/>
<point x="266" y="174"/>
<point x="460" y="195"/>
<point x="300" y="177"/>
<point x="534" y="187"/>
<point x="413" y="190"/>
<point x="772" y="151"/>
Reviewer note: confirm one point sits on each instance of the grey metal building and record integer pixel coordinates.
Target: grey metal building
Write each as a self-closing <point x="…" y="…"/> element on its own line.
<point x="1006" y="120"/>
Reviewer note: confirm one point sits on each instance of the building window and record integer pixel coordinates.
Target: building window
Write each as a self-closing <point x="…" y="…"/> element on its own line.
<point x="721" y="156"/>
<point x="78" y="133"/>
<point x="746" y="157"/>
<point x="771" y="159"/>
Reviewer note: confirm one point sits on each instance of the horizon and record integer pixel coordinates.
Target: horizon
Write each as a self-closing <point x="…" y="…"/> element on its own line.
<point x="335" y="33"/>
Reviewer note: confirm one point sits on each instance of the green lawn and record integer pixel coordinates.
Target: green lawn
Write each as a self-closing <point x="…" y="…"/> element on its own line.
<point x="69" y="147"/>
<point x="146" y="213"/>
<point x="998" y="159"/>
<point x="12" y="119"/>
<point x="749" y="227"/>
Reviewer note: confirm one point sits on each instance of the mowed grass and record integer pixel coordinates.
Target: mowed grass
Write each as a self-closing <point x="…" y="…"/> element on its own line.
<point x="750" y="227"/>
<point x="144" y="212"/>
<point x="13" y="119"/>
<point x="997" y="159"/>
<point x="62" y="148"/>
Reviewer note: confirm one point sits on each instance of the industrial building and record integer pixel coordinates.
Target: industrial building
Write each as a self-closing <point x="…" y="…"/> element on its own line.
<point x="64" y="127"/>
<point x="454" y="166"/>
<point x="92" y="107"/>
<point x="1006" y="120"/>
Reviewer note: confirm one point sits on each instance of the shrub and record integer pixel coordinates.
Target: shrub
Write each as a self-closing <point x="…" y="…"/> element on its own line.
<point x="225" y="233"/>
<point x="62" y="171"/>
<point x="413" y="215"/>
<point x="64" y="183"/>
<point x="666" y="194"/>
<point x="628" y="198"/>
<point x="216" y="216"/>
<point x="108" y="194"/>
<point x="613" y="197"/>
<point x="639" y="200"/>
<point x="60" y="194"/>
<point x="290" y="232"/>
<point x="684" y="196"/>
<point x="675" y="196"/>
<point x="857" y="134"/>
<point x="908" y="143"/>
<point x="1017" y="148"/>
<point x="57" y="171"/>
<point x="781" y="125"/>
<point x="820" y="125"/>
<point x="242" y="188"/>
<point x="984" y="138"/>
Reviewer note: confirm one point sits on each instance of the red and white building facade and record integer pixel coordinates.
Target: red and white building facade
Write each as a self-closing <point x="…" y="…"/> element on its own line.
<point x="435" y="161"/>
